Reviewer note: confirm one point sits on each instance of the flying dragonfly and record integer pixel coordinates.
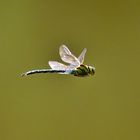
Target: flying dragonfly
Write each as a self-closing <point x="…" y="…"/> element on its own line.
<point x="75" y="65"/>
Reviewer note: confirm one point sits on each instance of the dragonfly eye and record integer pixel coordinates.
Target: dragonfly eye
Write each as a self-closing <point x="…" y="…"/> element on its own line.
<point x="92" y="70"/>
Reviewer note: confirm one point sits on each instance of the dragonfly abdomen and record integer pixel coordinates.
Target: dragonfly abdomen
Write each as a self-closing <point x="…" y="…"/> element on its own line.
<point x="43" y="71"/>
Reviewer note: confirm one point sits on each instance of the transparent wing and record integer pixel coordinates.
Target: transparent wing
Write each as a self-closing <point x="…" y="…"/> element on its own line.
<point x="67" y="56"/>
<point x="57" y="66"/>
<point x="82" y="55"/>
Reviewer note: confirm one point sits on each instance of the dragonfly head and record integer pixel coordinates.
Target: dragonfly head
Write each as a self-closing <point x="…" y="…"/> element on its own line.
<point x="91" y="70"/>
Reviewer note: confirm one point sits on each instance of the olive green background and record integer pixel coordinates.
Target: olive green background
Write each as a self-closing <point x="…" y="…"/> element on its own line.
<point x="63" y="107"/>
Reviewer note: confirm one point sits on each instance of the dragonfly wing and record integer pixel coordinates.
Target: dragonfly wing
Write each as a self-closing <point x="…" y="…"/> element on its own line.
<point x="67" y="56"/>
<point x="57" y="66"/>
<point x="82" y="55"/>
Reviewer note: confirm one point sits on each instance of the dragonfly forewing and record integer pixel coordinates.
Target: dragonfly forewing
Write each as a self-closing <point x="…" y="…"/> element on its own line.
<point x="67" y="56"/>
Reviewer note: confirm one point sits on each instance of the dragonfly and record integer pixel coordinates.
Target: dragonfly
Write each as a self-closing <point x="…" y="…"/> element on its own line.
<point x="75" y="65"/>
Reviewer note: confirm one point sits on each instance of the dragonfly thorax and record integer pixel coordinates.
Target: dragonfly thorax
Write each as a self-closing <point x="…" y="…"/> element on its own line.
<point x="84" y="70"/>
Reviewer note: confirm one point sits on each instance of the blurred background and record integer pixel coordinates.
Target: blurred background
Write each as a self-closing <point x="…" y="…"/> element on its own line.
<point x="63" y="107"/>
